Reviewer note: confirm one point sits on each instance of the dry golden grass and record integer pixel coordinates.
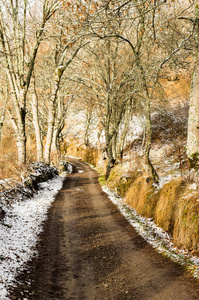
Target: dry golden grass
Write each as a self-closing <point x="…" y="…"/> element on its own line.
<point x="8" y="158"/>
<point x="90" y="156"/>
<point x="87" y="154"/>
<point x="166" y="207"/>
<point x="115" y="177"/>
<point x="141" y="196"/>
<point x="120" y="179"/>
<point x="186" y="229"/>
<point x="175" y="208"/>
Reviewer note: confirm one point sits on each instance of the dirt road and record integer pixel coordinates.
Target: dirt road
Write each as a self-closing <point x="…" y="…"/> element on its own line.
<point x="89" y="251"/>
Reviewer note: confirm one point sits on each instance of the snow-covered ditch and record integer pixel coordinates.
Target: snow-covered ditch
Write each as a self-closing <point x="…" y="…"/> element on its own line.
<point x="20" y="230"/>
<point x="154" y="235"/>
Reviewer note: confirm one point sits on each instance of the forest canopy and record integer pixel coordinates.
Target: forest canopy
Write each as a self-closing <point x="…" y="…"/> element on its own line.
<point x="91" y="67"/>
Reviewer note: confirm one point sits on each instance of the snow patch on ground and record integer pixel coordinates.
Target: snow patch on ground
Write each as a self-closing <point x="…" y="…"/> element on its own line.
<point x="19" y="236"/>
<point x="154" y="235"/>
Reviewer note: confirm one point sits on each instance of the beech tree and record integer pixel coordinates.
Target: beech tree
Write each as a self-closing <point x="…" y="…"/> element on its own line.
<point x="88" y="122"/>
<point x="64" y="101"/>
<point x="67" y="55"/>
<point x="19" y="45"/>
<point x="4" y="95"/>
<point x="61" y="67"/>
<point x="71" y="38"/>
<point x="124" y="129"/>
<point x="110" y="85"/>
<point x="143" y="27"/>
<point x="36" y="122"/>
<point x="193" y="122"/>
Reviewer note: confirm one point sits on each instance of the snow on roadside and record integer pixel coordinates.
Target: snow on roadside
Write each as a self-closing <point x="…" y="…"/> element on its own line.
<point x="18" y="237"/>
<point x="154" y="235"/>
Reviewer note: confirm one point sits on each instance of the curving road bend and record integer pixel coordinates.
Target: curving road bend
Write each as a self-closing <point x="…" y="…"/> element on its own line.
<point x="89" y="251"/>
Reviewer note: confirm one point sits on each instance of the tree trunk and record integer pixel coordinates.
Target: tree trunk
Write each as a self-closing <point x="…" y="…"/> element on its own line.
<point x="21" y="128"/>
<point x="87" y="126"/>
<point x="123" y="135"/>
<point x="56" y="145"/>
<point x="193" y="121"/>
<point x="114" y="146"/>
<point x="51" y="112"/>
<point x="147" y="165"/>
<point x="1" y="126"/>
<point x="111" y="159"/>
<point x="51" y="120"/>
<point x="37" y="128"/>
<point x="21" y="147"/>
<point x="2" y="118"/>
<point x="109" y="166"/>
<point x="98" y="140"/>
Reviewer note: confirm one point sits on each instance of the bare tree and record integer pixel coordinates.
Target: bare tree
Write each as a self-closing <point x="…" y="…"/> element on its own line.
<point x="110" y="85"/>
<point x="19" y="47"/>
<point x="71" y="38"/>
<point x="144" y="27"/>
<point x="37" y="126"/>
<point x="61" y="67"/>
<point x="64" y="101"/>
<point x="4" y="96"/>
<point x="193" y="123"/>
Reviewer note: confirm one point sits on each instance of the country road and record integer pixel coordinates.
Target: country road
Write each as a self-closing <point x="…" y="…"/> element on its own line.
<point x="89" y="251"/>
